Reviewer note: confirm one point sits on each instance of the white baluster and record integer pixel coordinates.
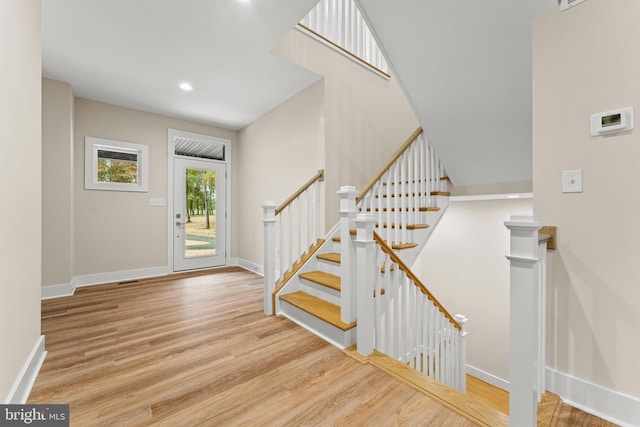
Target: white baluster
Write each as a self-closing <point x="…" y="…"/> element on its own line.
<point x="269" y="221"/>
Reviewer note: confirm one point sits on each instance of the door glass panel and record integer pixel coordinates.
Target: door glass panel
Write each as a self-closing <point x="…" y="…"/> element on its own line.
<point x="200" y="226"/>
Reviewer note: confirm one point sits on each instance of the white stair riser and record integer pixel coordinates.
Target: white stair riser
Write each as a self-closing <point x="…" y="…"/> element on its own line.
<point x="320" y="291"/>
<point x="335" y="336"/>
<point x="328" y="267"/>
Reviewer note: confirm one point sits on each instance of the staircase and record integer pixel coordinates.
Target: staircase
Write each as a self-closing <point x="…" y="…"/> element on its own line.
<point x="312" y="297"/>
<point x="403" y="203"/>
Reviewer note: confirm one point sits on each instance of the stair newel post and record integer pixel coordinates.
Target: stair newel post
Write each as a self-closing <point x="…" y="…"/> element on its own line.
<point x="348" y="294"/>
<point x="269" y="221"/>
<point x="462" y="353"/>
<point x="523" y="336"/>
<point x="365" y="269"/>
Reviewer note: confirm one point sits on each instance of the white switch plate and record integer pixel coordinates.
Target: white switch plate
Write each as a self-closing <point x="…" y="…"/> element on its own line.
<point x="157" y="202"/>
<point x="572" y="181"/>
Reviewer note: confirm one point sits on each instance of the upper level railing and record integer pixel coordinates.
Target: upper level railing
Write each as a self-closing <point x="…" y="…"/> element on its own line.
<point x="341" y="25"/>
<point x="292" y="230"/>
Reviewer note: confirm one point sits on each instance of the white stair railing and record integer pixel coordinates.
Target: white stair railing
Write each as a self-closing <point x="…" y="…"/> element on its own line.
<point x="291" y="230"/>
<point x="340" y="23"/>
<point x="399" y="317"/>
<point x="400" y="195"/>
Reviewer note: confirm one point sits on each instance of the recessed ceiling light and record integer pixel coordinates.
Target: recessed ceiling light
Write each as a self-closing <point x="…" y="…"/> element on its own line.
<point x="186" y="86"/>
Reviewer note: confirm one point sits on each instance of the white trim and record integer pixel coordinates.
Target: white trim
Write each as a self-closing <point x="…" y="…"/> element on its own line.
<point x="21" y="390"/>
<point x="476" y="197"/>
<point x="57" y="291"/>
<point x="91" y="147"/>
<point x="171" y="134"/>
<point x="247" y="265"/>
<point x="610" y="405"/>
<point x="488" y="378"/>
<point x="118" y="276"/>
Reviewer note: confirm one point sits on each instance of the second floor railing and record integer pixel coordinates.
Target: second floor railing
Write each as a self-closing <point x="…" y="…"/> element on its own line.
<point x="341" y="25"/>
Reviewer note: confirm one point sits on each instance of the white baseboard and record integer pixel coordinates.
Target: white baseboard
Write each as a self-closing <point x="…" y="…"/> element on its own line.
<point x="610" y="405"/>
<point x="21" y="390"/>
<point x="57" y="291"/>
<point x="488" y="378"/>
<point x="248" y="265"/>
<point x="119" y="276"/>
<point x="65" y="290"/>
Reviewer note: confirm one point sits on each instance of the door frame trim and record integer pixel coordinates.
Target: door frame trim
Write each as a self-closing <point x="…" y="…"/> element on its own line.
<point x="171" y="134"/>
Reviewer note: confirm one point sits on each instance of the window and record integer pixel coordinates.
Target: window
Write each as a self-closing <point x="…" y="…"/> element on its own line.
<point x="115" y="165"/>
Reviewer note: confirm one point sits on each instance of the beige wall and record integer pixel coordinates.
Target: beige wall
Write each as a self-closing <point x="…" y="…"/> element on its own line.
<point x="20" y="188"/>
<point x="57" y="183"/>
<point x="115" y="230"/>
<point x="276" y="155"/>
<point x="464" y="265"/>
<point x="367" y="118"/>
<point x="587" y="60"/>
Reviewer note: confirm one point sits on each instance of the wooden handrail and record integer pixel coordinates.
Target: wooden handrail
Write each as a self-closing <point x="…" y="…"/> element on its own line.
<point x="318" y="177"/>
<point x="395" y="258"/>
<point x="343" y="50"/>
<point x="388" y="165"/>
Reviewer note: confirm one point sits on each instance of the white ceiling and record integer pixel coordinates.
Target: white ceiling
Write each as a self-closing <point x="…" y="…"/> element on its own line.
<point x="134" y="53"/>
<point x="466" y="66"/>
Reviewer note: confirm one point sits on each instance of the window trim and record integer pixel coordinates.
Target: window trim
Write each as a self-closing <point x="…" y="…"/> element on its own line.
<point x="91" y="147"/>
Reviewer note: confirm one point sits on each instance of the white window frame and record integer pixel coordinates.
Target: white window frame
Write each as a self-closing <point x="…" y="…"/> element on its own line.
<point x="91" y="147"/>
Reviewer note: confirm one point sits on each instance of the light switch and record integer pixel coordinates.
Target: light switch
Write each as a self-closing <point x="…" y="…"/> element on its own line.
<point x="572" y="181"/>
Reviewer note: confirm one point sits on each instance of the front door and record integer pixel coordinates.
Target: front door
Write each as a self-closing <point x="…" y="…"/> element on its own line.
<point x="199" y="214"/>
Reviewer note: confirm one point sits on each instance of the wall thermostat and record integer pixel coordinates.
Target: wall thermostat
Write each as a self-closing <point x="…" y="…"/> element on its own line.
<point x="612" y="121"/>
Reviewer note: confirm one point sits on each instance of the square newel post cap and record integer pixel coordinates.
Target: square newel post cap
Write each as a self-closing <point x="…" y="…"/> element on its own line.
<point x="269" y="209"/>
<point x="524" y="238"/>
<point x="524" y="222"/>
<point x="347" y="195"/>
<point x="364" y="227"/>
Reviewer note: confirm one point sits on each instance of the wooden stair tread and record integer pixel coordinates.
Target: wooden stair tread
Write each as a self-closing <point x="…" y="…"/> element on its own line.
<point x="409" y="226"/>
<point x="319" y="308"/>
<point x="442" y="178"/>
<point x="420" y="209"/>
<point x="384" y="196"/>
<point x="351" y="232"/>
<point x="401" y="246"/>
<point x="325" y="279"/>
<point x="331" y="257"/>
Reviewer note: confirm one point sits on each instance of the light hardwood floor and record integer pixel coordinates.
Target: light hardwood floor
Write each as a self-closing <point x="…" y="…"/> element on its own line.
<point x="197" y="350"/>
